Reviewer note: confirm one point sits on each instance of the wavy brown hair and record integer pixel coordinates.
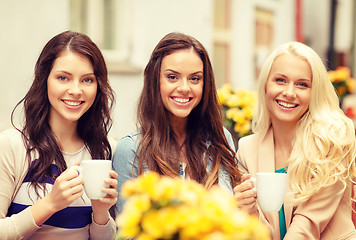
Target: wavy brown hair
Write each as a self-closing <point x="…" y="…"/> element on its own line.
<point x="158" y="149"/>
<point x="93" y="126"/>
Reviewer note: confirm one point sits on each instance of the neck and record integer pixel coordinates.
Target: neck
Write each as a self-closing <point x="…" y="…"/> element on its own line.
<point x="179" y="127"/>
<point x="181" y="135"/>
<point x="283" y="138"/>
<point x="67" y="136"/>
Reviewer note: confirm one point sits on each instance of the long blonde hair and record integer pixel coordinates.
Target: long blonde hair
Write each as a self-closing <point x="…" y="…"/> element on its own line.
<point x="324" y="148"/>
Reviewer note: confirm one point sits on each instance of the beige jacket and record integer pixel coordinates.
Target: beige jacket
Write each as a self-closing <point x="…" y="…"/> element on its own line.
<point x="326" y="216"/>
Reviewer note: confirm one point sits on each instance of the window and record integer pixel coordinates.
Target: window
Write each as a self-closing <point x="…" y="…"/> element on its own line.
<point x="264" y="33"/>
<point x="108" y="24"/>
<point x="222" y="41"/>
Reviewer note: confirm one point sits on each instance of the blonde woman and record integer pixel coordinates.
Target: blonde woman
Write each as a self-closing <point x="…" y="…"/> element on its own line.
<point x="299" y="128"/>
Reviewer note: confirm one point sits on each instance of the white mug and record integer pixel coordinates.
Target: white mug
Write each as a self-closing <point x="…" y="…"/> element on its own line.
<point x="94" y="172"/>
<point x="271" y="188"/>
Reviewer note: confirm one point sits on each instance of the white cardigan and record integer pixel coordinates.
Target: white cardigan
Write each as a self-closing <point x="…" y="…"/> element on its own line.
<point x="13" y="169"/>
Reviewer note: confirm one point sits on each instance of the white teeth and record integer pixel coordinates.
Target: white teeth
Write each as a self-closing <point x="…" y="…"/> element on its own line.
<point x="181" y="100"/>
<point x="287" y="105"/>
<point x="71" y="103"/>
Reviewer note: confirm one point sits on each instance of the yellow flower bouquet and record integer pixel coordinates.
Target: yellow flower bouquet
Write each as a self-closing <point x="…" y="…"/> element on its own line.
<point x="160" y="207"/>
<point x="238" y="108"/>
<point x="343" y="83"/>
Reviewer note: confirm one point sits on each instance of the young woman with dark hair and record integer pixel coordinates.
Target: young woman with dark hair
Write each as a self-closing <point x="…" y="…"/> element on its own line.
<point x="180" y="129"/>
<point x="66" y="120"/>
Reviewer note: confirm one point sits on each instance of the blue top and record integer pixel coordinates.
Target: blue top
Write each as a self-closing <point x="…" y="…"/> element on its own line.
<point x="123" y="164"/>
<point x="282" y="218"/>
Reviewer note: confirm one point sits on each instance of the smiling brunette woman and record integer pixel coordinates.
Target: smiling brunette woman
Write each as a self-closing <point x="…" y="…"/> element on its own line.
<point x="67" y="119"/>
<point x="180" y="130"/>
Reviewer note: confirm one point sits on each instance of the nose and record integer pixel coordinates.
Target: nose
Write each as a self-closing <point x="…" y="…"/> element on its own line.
<point x="289" y="92"/>
<point x="183" y="86"/>
<point x="75" y="88"/>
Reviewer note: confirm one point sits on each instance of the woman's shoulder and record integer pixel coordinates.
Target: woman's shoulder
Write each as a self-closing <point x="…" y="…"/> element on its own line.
<point x="128" y="141"/>
<point x="250" y="140"/>
<point x="125" y="151"/>
<point x="131" y="137"/>
<point x="10" y="132"/>
<point x="11" y="137"/>
<point x="12" y="146"/>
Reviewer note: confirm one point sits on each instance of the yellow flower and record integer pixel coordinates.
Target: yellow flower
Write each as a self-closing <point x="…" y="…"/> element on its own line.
<point x="342" y="81"/>
<point x="146" y="185"/>
<point x="238" y="106"/>
<point x="232" y="101"/>
<point x="243" y="127"/>
<point x="144" y="236"/>
<point x="249" y="111"/>
<point x="132" y="215"/>
<point x="153" y="224"/>
<point x="224" y="93"/>
<point x="341" y="90"/>
<point x="350" y="85"/>
<point x="183" y="209"/>
<point x="216" y="236"/>
<point x="332" y="75"/>
<point x="342" y="73"/>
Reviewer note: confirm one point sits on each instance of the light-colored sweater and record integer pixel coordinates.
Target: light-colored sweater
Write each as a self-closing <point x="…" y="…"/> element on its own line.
<point x="72" y="223"/>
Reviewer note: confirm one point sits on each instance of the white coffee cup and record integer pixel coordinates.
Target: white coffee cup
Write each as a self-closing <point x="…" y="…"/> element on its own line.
<point x="94" y="172"/>
<point x="271" y="188"/>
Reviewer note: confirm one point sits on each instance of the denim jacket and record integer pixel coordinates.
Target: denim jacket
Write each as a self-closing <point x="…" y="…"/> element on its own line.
<point x="123" y="164"/>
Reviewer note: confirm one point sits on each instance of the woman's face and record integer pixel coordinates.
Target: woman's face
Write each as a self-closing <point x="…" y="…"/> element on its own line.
<point x="72" y="87"/>
<point x="181" y="83"/>
<point x="288" y="89"/>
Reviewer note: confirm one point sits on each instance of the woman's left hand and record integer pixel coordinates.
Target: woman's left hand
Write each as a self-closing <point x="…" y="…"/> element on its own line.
<point x="102" y="205"/>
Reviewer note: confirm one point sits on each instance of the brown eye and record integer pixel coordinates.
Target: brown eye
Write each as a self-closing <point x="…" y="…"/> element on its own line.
<point x="172" y="77"/>
<point x="195" y="79"/>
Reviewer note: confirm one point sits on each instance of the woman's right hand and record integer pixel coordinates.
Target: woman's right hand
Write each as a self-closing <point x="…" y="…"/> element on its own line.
<point x="245" y="195"/>
<point x="67" y="187"/>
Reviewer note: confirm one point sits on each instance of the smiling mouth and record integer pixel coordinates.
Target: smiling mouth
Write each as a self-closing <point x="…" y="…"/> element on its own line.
<point x="181" y="100"/>
<point x="72" y="103"/>
<point x="287" y="105"/>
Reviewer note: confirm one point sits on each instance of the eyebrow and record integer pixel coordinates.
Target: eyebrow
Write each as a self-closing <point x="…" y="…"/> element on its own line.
<point x="68" y="73"/>
<point x="171" y="70"/>
<point x="282" y="75"/>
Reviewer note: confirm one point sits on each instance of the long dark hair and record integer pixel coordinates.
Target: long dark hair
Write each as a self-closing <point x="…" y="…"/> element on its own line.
<point x="158" y="148"/>
<point x="92" y="127"/>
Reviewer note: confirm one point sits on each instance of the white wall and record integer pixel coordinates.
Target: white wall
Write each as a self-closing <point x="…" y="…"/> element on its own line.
<point x="27" y="25"/>
<point x="316" y="24"/>
<point x="155" y="18"/>
<point x="127" y="89"/>
<point x="152" y="19"/>
<point x="243" y="35"/>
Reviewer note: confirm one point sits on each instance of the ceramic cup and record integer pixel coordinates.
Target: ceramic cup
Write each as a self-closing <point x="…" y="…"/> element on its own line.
<point x="94" y="172"/>
<point x="271" y="188"/>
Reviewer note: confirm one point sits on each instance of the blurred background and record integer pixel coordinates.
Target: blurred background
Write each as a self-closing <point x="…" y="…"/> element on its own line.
<point x="238" y="35"/>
